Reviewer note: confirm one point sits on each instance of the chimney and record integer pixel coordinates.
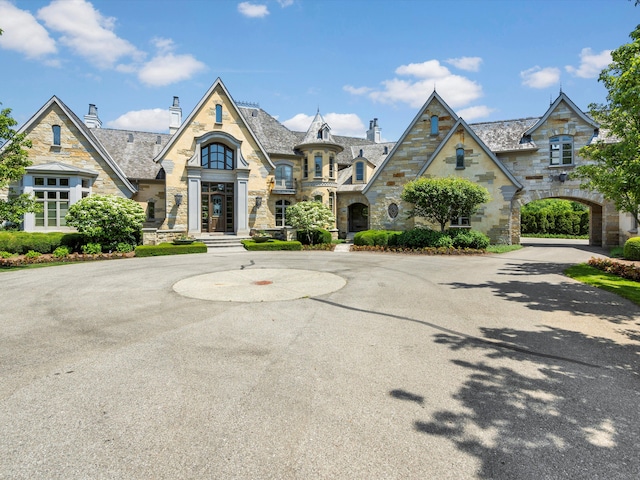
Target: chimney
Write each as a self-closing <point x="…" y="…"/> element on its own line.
<point x="373" y="134"/>
<point x="91" y="120"/>
<point x="175" y="113"/>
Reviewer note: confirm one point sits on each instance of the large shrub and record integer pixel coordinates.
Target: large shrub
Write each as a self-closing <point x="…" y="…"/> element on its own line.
<point x="554" y="216"/>
<point x="22" y="242"/>
<point x="319" y="235"/>
<point x="107" y="220"/>
<point x="309" y="216"/>
<point x="376" y="237"/>
<point x="470" y="239"/>
<point x="419" y="238"/>
<point x="631" y="249"/>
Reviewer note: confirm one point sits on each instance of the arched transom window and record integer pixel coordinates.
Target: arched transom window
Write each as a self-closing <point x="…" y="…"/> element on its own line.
<point x="217" y="156"/>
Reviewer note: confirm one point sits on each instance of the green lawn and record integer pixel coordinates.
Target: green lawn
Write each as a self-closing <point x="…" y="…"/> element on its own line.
<point x="607" y="281"/>
<point x="502" y="248"/>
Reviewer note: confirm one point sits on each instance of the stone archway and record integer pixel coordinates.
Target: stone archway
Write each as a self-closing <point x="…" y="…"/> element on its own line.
<point x="603" y="216"/>
<point x="358" y="217"/>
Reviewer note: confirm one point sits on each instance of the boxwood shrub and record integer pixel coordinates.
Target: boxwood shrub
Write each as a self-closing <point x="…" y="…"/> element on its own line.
<point x="22" y="242"/>
<point x="271" y="245"/>
<point x="631" y="249"/>
<point x="376" y="237"/>
<point x="169" y="249"/>
<point x="319" y="235"/>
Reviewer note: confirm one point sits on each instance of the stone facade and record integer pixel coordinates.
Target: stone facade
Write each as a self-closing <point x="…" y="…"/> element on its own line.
<point x="272" y="167"/>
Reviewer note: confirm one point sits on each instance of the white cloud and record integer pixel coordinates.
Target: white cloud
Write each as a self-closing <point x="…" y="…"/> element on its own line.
<point x="591" y="64"/>
<point x="168" y="68"/>
<point x="455" y="89"/>
<point x="470" y="64"/>
<point x="152" y="120"/>
<point x="348" y="124"/>
<point x="253" y="10"/>
<point x="87" y="32"/>
<point x="22" y="32"/>
<point x="538" y="77"/>
<point x="285" y="3"/>
<point x="472" y="113"/>
<point x="357" y="90"/>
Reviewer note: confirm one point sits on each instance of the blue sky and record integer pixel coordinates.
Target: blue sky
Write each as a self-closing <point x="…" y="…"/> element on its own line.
<point x="352" y="59"/>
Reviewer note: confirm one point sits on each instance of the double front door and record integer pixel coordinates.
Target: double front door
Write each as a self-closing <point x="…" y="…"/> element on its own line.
<point x="217" y="207"/>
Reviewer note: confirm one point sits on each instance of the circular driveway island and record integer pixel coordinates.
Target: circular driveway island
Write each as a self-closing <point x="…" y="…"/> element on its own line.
<point x="374" y="366"/>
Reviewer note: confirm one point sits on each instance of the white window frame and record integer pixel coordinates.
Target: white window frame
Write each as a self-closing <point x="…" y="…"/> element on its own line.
<point x="281" y="212"/>
<point x="559" y="146"/>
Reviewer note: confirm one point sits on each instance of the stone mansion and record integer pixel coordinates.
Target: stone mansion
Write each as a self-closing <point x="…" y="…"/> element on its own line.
<point x="231" y="168"/>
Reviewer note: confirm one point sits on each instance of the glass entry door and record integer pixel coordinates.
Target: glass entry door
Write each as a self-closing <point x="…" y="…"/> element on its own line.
<point x="217" y="207"/>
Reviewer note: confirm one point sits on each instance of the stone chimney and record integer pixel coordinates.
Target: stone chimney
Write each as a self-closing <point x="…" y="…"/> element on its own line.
<point x="91" y="120"/>
<point x="175" y="113"/>
<point x="373" y="134"/>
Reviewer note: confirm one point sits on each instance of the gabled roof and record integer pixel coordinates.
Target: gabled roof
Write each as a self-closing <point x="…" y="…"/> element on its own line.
<point x="416" y="119"/>
<point x="490" y="154"/>
<point x="86" y="132"/>
<point x="554" y="105"/>
<point x="311" y="137"/>
<point x="506" y="135"/>
<point x="203" y="100"/>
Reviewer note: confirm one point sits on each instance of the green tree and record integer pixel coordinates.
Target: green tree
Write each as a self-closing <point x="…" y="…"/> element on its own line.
<point x="308" y="216"/>
<point x="107" y="220"/>
<point x="615" y="167"/>
<point x="14" y="159"/>
<point x="441" y="199"/>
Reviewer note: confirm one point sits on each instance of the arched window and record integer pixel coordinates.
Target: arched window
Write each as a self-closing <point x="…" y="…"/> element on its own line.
<point x="217" y="156"/>
<point x="281" y="212"/>
<point x="56" y="134"/>
<point x="218" y="113"/>
<point x="434" y="124"/>
<point x="459" y="157"/>
<point x="284" y="177"/>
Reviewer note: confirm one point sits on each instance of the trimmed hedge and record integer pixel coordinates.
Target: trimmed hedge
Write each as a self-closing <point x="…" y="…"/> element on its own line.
<point x="271" y="245"/>
<point x="375" y="237"/>
<point x="550" y="221"/>
<point x="631" y="250"/>
<point x="22" y="242"/>
<point x="169" y="249"/>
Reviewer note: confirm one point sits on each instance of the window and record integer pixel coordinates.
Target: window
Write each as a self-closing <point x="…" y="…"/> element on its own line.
<point x="284" y="177"/>
<point x="318" y="169"/>
<point x="359" y="171"/>
<point x="217" y="156"/>
<point x="281" y="212"/>
<point x="218" y="113"/>
<point x="332" y="167"/>
<point x="459" y="157"/>
<point x="305" y="167"/>
<point x="434" y="124"/>
<point x="320" y="134"/>
<point x="151" y="210"/>
<point x="317" y="198"/>
<point x="56" y="135"/>
<point x="331" y="201"/>
<point x="54" y="199"/>
<point x="460" y="222"/>
<point x="561" y="150"/>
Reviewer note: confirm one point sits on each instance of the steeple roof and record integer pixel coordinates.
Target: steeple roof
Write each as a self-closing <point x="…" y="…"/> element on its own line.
<point x="319" y="133"/>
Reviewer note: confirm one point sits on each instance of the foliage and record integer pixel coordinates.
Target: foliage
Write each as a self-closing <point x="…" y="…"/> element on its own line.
<point x="5" y="254"/>
<point x="631" y="250"/>
<point x="624" y="270"/>
<point x="61" y="252"/>
<point x="329" y="247"/>
<point x="596" y="274"/>
<point x="469" y="239"/>
<point x="553" y="216"/>
<point x="169" y="249"/>
<point x="502" y="248"/>
<point x="32" y="254"/>
<point x="615" y="167"/>
<point x="107" y="219"/>
<point x="21" y="242"/>
<point x="318" y="235"/>
<point x="308" y="216"/>
<point x="14" y="159"/>
<point x="271" y="245"/>
<point x="441" y="199"/>
<point x="375" y="237"/>
<point x="416" y="251"/>
<point x="124" y="247"/>
<point x="91" y="248"/>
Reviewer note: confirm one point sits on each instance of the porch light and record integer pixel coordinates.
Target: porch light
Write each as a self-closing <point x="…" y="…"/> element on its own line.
<point x="562" y="177"/>
<point x="178" y="199"/>
<point x="258" y="202"/>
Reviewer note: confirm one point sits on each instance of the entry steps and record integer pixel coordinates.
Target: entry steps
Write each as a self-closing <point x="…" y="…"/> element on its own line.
<point x="223" y="242"/>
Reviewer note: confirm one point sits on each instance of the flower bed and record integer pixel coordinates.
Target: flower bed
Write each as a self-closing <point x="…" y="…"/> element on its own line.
<point x="624" y="270"/>
<point x="418" y="251"/>
<point x="18" y="260"/>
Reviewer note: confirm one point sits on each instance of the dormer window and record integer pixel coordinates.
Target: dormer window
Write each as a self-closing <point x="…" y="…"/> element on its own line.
<point x="561" y="150"/>
<point x="320" y="134"/>
<point x="434" y="125"/>
<point x="459" y="158"/>
<point x="359" y="172"/>
<point x="55" y="129"/>
<point x="130" y="138"/>
<point x="218" y="113"/>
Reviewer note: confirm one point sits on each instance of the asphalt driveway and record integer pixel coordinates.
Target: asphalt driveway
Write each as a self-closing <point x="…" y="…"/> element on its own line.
<point x="399" y="367"/>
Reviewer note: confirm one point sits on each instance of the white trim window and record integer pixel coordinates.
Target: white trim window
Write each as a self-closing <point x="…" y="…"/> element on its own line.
<point x="460" y="222"/>
<point x="54" y="196"/>
<point x="561" y="150"/>
<point x="281" y="212"/>
<point x="284" y="177"/>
